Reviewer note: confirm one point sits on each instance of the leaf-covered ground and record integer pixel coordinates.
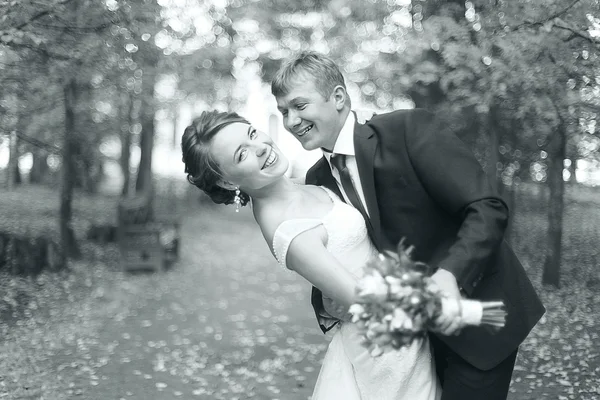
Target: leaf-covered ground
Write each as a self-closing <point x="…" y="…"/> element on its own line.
<point x="226" y="322"/>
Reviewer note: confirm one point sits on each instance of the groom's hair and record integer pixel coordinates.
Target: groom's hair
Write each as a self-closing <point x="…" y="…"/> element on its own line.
<point x="323" y="70"/>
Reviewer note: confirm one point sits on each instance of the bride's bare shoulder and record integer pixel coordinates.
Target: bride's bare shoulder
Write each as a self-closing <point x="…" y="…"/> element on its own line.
<point x="272" y="217"/>
<point x="312" y="203"/>
<point x="269" y="219"/>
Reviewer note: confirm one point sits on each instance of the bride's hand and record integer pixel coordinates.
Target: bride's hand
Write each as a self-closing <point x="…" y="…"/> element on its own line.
<point x="362" y="116"/>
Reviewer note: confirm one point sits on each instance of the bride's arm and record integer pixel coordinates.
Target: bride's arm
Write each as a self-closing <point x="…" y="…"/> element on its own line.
<point x="308" y="256"/>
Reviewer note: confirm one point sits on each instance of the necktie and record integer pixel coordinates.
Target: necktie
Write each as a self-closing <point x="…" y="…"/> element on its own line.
<point x="339" y="162"/>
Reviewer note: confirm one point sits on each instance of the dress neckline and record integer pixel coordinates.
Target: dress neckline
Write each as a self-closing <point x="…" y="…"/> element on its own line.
<point x="334" y="204"/>
<point x="333" y="201"/>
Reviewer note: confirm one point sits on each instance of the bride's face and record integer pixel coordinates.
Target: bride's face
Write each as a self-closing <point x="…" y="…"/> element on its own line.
<point x="247" y="158"/>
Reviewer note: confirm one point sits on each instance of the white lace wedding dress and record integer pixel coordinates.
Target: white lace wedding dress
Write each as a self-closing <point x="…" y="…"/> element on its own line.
<point x="348" y="371"/>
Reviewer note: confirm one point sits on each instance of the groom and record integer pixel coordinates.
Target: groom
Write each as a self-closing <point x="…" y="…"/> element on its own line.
<point x="412" y="178"/>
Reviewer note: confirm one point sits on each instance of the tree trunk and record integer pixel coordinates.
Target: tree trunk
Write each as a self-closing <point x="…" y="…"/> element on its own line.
<point x="144" y="178"/>
<point x="489" y="125"/>
<point x="68" y="242"/>
<point x="128" y="119"/>
<point x="495" y="137"/>
<point x="510" y="198"/>
<point x="87" y="164"/>
<point x="175" y="138"/>
<point x="17" y="172"/>
<point x="510" y="191"/>
<point x="13" y="162"/>
<point x="20" y="125"/>
<point x="28" y="254"/>
<point x="556" y="155"/>
<point x="39" y="168"/>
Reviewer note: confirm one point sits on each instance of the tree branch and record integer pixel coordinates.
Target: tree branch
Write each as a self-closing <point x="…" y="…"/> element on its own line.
<point x="554" y="20"/>
<point x="97" y="28"/>
<point x="44" y="52"/>
<point x="41" y="14"/>
<point x="559" y="13"/>
<point x="548" y="19"/>
<point x="559" y="23"/>
<point x="40" y="144"/>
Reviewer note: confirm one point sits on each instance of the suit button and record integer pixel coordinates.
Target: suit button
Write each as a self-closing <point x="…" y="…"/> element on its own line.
<point x="477" y="280"/>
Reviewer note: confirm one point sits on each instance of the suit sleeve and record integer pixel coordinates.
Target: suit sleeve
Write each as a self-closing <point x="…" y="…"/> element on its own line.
<point x="310" y="178"/>
<point x="312" y="175"/>
<point x="453" y="177"/>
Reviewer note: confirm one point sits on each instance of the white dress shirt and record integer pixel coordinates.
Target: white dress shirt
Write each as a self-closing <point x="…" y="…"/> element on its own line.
<point x="345" y="145"/>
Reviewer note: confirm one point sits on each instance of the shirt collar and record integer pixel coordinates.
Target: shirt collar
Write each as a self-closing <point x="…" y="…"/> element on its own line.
<point x="345" y="140"/>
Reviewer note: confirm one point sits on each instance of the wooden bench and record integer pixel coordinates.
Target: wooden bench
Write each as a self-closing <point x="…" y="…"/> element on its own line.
<point x="145" y="243"/>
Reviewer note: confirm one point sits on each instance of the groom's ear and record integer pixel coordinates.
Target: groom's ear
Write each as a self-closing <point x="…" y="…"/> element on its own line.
<point x="340" y="97"/>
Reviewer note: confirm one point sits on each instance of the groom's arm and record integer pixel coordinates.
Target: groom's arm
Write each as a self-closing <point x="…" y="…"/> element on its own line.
<point x="326" y="318"/>
<point x="311" y="174"/>
<point x="453" y="177"/>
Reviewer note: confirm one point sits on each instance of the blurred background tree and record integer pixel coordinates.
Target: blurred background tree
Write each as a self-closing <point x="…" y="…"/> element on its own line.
<point x="518" y="81"/>
<point x="63" y="58"/>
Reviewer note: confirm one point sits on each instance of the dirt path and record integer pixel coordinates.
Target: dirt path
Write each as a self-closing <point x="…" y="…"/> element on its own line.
<point x="226" y="322"/>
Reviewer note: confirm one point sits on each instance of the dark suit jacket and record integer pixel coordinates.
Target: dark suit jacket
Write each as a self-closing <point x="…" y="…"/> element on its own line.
<point x="423" y="183"/>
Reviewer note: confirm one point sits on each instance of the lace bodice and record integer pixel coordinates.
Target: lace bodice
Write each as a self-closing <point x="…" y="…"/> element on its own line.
<point x="347" y="237"/>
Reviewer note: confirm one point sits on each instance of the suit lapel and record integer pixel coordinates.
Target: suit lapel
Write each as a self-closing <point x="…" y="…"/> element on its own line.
<point x="325" y="178"/>
<point x="365" y="145"/>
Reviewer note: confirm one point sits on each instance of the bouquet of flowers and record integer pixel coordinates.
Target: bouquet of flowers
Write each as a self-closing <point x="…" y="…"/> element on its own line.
<point x="398" y="303"/>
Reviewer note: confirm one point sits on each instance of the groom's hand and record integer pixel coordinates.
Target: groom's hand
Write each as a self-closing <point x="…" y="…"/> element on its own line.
<point x="449" y="322"/>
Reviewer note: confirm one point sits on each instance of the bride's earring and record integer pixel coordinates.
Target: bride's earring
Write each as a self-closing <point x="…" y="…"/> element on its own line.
<point x="237" y="200"/>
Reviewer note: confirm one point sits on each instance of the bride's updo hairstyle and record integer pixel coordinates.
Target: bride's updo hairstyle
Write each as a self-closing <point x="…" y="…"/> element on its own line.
<point x="201" y="169"/>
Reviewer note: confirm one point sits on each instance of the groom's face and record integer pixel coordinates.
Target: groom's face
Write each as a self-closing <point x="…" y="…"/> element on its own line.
<point x="310" y="117"/>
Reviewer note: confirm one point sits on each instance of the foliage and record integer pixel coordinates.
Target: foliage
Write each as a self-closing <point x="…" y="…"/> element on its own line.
<point x="511" y="67"/>
<point x="101" y="44"/>
<point x="516" y="68"/>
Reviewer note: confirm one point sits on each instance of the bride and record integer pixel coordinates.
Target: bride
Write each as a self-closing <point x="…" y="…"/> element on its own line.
<point x="314" y="233"/>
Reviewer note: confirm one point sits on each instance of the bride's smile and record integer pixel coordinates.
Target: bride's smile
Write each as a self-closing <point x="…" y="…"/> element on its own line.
<point x="247" y="157"/>
<point x="272" y="158"/>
